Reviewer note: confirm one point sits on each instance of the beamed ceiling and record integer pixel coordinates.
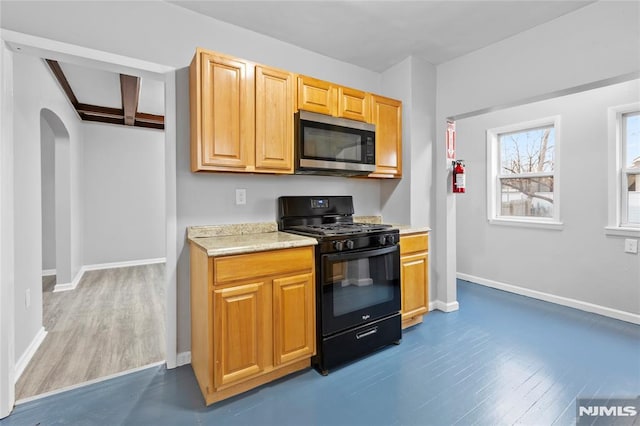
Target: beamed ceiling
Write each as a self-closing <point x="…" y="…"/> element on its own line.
<point x="95" y="95"/>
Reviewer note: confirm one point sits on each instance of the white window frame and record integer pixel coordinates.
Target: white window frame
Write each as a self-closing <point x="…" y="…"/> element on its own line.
<point x="617" y="211"/>
<point x="493" y="166"/>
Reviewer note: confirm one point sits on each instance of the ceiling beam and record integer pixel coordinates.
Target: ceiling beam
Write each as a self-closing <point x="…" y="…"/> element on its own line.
<point x="100" y="110"/>
<point x="130" y="89"/>
<point x="62" y="79"/>
<point x="149" y="118"/>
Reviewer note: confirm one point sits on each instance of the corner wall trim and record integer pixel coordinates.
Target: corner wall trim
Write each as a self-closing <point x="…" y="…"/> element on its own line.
<point x="183" y="358"/>
<point x="22" y="363"/>
<point x="70" y="286"/>
<point x="560" y="300"/>
<point x="444" y="307"/>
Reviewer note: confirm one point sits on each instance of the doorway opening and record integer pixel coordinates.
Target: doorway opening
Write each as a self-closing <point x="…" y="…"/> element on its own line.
<point x="160" y="273"/>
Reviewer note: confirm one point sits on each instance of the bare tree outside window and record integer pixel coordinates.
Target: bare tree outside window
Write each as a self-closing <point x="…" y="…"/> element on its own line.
<point x="526" y="172"/>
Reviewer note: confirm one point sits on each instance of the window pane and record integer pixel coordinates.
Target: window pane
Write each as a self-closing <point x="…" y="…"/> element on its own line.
<point x="633" y="199"/>
<point x="527" y="151"/>
<point x="632" y="140"/>
<point x="532" y="197"/>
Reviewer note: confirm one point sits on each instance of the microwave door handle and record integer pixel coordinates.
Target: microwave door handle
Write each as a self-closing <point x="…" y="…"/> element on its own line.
<point x="361" y="254"/>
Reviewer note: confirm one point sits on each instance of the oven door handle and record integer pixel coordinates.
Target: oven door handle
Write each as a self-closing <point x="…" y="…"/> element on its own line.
<point x="361" y="254"/>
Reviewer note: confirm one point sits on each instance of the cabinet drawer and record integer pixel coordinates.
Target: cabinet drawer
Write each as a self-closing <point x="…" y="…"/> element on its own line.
<point x="255" y="265"/>
<point x="414" y="243"/>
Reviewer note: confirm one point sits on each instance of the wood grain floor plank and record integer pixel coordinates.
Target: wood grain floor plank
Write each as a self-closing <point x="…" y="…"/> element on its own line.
<point x="112" y="322"/>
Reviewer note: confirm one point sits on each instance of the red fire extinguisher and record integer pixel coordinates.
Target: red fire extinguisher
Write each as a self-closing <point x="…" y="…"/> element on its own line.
<point x="459" y="184"/>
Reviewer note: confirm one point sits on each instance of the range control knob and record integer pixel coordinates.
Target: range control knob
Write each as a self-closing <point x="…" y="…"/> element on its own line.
<point x="338" y="245"/>
<point x="350" y="244"/>
<point x="391" y="239"/>
<point x="382" y="240"/>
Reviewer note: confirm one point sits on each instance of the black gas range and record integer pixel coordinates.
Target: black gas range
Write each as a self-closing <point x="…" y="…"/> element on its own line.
<point x="357" y="277"/>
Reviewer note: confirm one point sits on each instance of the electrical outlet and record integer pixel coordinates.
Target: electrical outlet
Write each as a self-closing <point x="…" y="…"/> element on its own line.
<point x="630" y="245"/>
<point x="241" y="197"/>
<point x="27" y="298"/>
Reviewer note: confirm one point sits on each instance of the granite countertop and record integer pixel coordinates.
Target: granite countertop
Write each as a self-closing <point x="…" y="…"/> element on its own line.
<point x="408" y="229"/>
<point x="224" y="240"/>
<point x="404" y="229"/>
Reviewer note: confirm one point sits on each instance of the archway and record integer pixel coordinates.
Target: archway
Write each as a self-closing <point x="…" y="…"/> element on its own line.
<point x="56" y="196"/>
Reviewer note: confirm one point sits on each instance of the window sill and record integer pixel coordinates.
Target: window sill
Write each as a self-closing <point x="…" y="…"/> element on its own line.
<point x="618" y="231"/>
<point x="553" y="225"/>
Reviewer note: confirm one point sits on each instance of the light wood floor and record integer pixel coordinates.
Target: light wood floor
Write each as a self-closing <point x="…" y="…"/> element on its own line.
<point x="112" y="322"/>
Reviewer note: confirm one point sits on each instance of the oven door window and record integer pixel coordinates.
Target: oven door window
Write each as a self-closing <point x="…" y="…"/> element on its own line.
<point x="359" y="287"/>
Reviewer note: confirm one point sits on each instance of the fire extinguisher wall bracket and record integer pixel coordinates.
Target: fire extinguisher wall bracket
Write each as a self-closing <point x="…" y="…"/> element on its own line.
<point x="458" y="180"/>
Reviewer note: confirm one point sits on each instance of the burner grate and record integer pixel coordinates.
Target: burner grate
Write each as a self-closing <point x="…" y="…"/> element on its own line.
<point x="340" y="228"/>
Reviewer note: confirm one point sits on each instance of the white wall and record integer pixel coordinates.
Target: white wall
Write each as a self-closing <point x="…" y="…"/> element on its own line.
<point x="123" y="193"/>
<point x="578" y="262"/>
<point x="413" y="81"/>
<point x="7" y="288"/>
<point x="574" y="49"/>
<point x="35" y="89"/>
<point x="47" y="159"/>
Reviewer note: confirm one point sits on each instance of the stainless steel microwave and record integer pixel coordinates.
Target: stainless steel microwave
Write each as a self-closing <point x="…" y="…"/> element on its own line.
<point x="334" y="146"/>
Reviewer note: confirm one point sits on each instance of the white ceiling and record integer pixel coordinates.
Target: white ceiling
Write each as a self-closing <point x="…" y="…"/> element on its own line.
<point x="378" y="34"/>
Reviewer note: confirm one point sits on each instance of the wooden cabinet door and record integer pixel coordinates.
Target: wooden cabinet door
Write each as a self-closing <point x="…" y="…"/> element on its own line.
<point x="274" y="120"/>
<point x="293" y="318"/>
<point x="387" y="116"/>
<point x="227" y="112"/>
<point x="353" y="104"/>
<point x="239" y="320"/>
<point x="413" y="275"/>
<point x="315" y="95"/>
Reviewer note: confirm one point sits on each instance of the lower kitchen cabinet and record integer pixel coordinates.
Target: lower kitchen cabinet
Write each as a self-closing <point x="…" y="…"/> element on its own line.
<point x="252" y="318"/>
<point x="414" y="275"/>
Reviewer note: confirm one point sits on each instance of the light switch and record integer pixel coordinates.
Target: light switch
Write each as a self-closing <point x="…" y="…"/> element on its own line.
<point x="630" y="245"/>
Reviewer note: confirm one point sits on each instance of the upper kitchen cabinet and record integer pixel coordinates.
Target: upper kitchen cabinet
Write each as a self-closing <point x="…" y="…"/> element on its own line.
<point x="315" y="95"/>
<point x="241" y="115"/>
<point x="327" y="98"/>
<point x="386" y="114"/>
<point x="222" y="112"/>
<point x="353" y="104"/>
<point x="274" y="120"/>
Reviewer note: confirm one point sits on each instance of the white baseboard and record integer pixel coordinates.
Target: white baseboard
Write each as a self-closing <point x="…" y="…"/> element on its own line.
<point x="98" y="266"/>
<point x="183" y="358"/>
<point x="22" y="363"/>
<point x="444" y="307"/>
<point x="560" y="300"/>
<point x="48" y="272"/>
<point x="72" y="285"/>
